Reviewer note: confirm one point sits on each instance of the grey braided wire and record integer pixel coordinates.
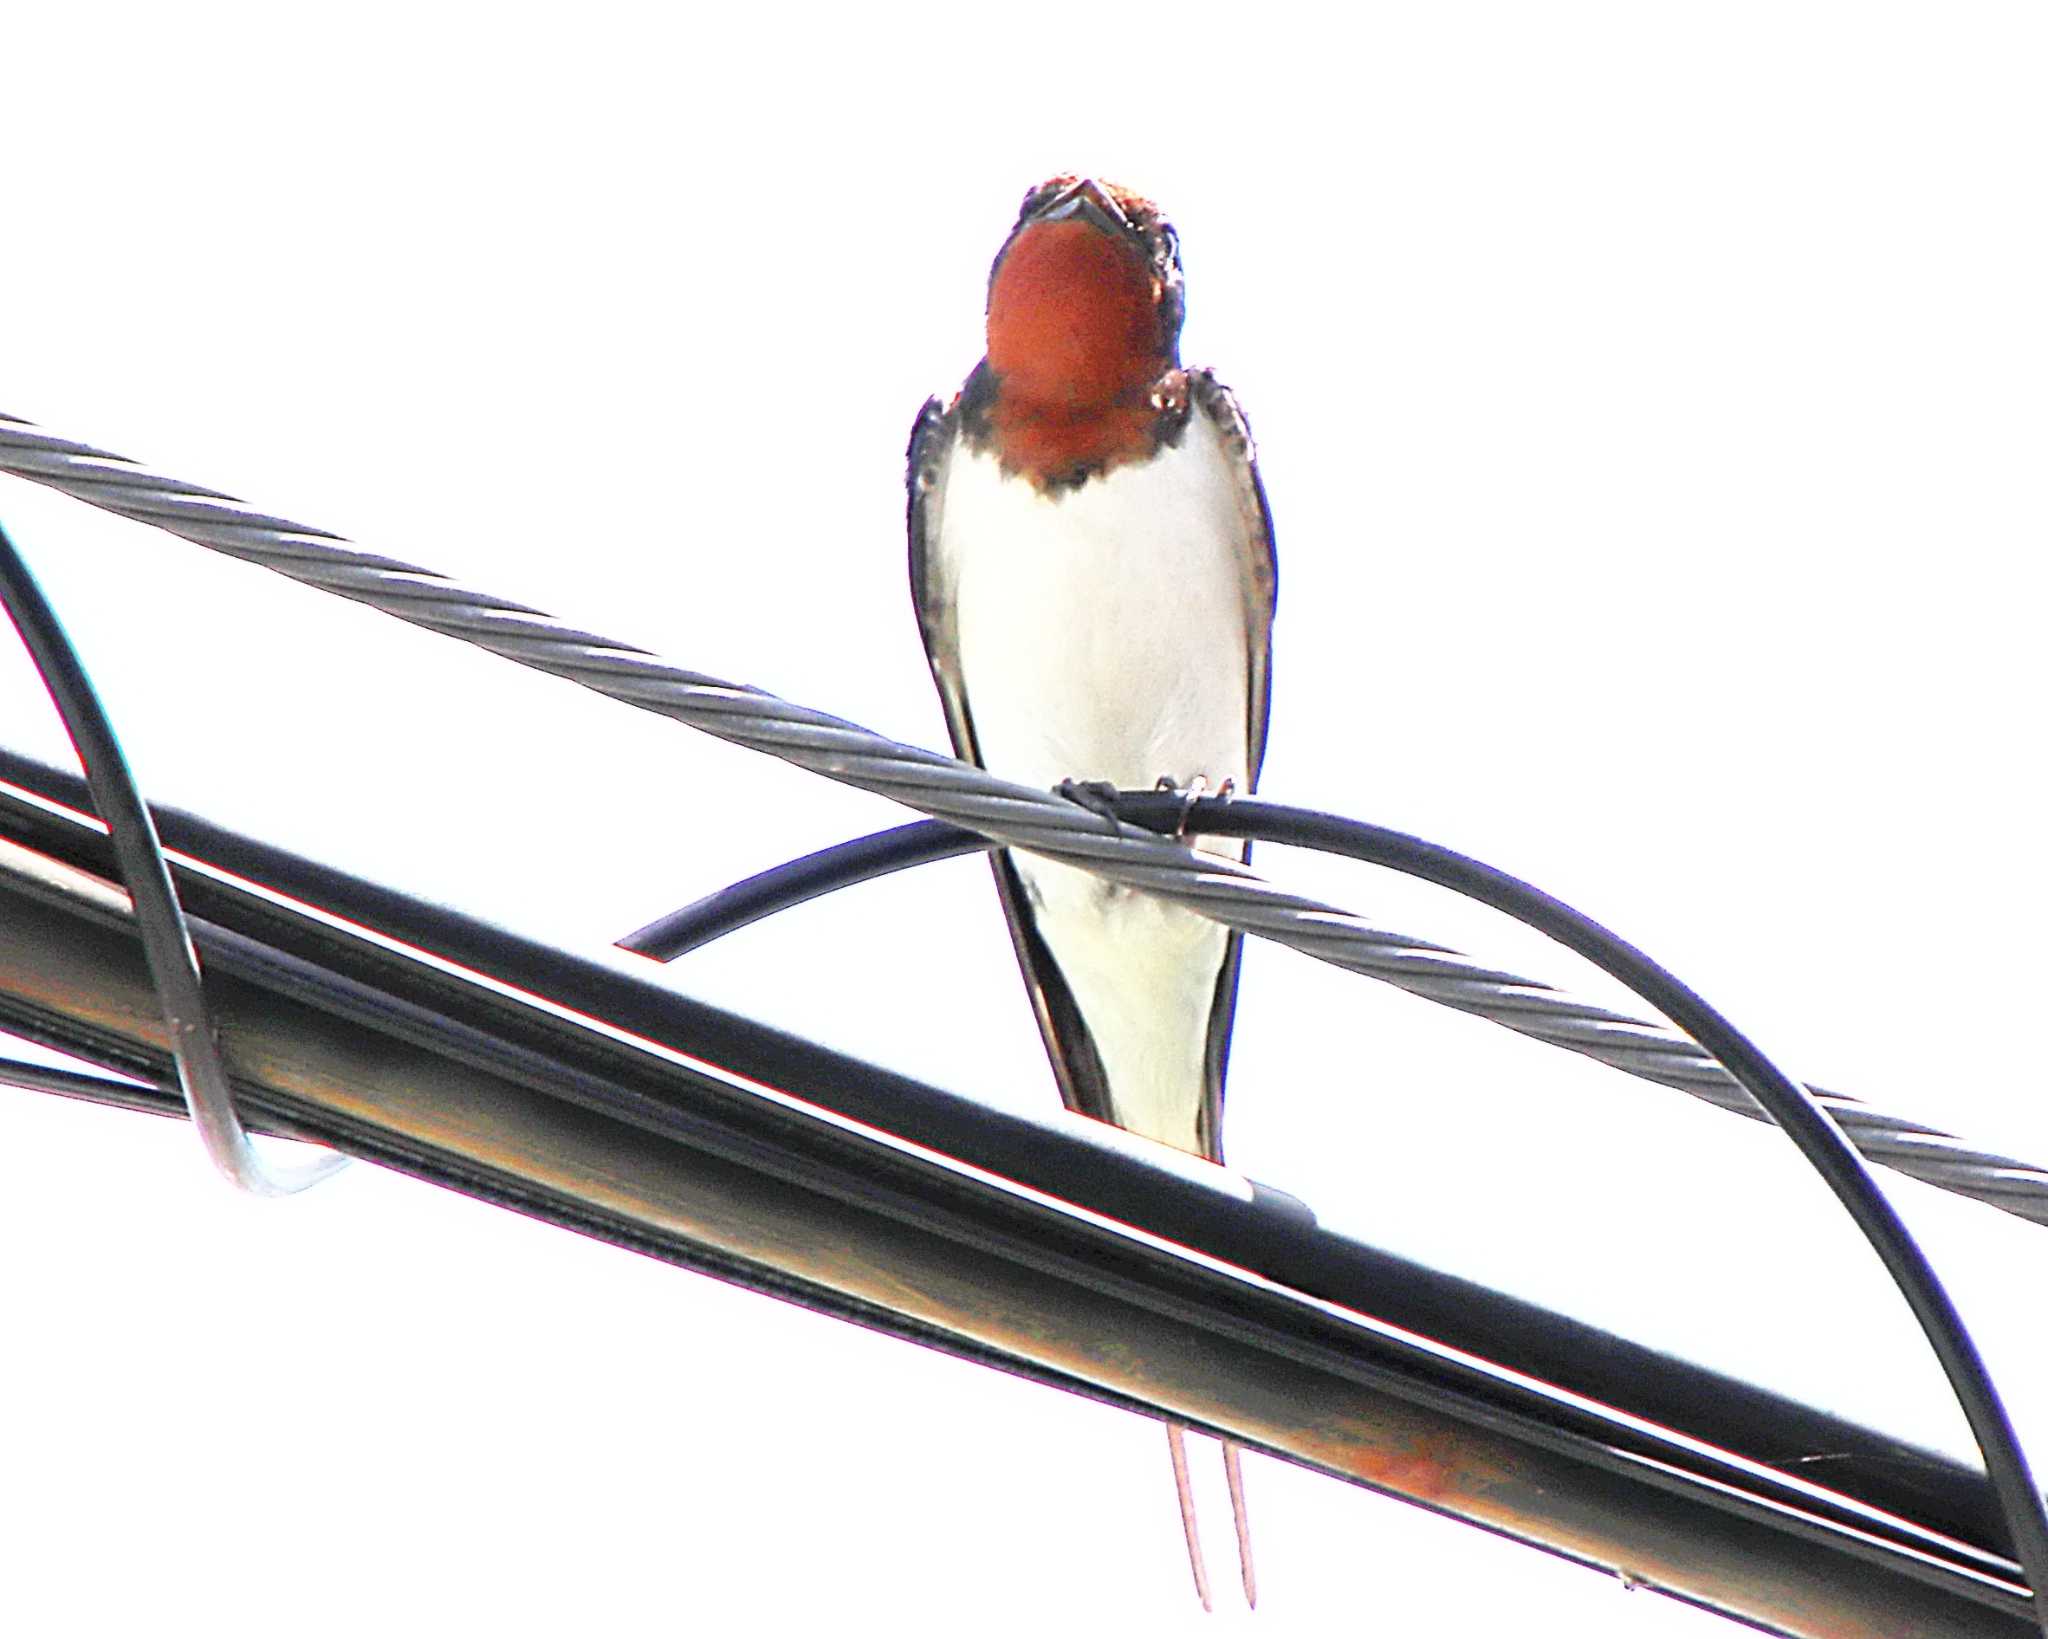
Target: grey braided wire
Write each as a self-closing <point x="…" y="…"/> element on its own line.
<point x="1018" y="815"/>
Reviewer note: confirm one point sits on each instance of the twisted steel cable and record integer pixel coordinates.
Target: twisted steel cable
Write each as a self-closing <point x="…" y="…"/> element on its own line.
<point x="1015" y="815"/>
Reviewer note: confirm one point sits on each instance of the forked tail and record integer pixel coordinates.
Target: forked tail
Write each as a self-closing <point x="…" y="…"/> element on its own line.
<point x="1177" y="1448"/>
<point x="1233" y="1474"/>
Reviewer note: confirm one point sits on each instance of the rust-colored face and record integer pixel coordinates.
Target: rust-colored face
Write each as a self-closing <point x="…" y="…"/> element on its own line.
<point x="1073" y="319"/>
<point x="1083" y="324"/>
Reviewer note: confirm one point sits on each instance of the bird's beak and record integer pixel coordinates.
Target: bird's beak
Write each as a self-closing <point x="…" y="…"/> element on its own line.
<point x="1085" y="201"/>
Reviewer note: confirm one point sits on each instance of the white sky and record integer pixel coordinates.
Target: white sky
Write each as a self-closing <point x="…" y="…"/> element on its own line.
<point x="1651" y="405"/>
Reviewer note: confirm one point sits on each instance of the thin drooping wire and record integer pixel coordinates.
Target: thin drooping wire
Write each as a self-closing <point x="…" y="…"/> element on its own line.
<point x="1012" y="814"/>
<point x="1906" y="1146"/>
<point x="1778" y="1097"/>
<point x="166" y="942"/>
<point x="1801" y="1117"/>
<point x="83" y="1085"/>
<point x="781" y="886"/>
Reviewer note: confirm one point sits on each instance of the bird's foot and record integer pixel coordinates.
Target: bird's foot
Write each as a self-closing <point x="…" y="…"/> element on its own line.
<point x="1097" y="796"/>
<point x="1190" y="794"/>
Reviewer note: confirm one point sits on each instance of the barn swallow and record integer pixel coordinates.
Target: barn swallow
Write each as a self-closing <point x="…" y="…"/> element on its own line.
<point x="1092" y="562"/>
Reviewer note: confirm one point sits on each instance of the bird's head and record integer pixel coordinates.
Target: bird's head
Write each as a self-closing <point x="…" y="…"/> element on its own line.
<point x="1084" y="300"/>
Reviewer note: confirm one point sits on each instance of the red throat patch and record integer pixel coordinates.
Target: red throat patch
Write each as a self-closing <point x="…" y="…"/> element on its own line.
<point x="1074" y="340"/>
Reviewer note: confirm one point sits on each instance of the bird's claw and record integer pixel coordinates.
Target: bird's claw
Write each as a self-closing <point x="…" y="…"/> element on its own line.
<point x="1097" y="796"/>
<point x="1190" y="794"/>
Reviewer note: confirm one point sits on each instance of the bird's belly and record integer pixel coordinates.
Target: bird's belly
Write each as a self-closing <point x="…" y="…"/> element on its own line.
<point x="1103" y="636"/>
<point x="1102" y="630"/>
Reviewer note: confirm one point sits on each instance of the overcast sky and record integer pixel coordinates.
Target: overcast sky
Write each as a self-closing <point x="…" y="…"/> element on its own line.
<point x="1650" y="401"/>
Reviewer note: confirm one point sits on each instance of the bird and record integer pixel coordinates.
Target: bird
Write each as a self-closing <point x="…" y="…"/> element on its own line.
<point x="1093" y="570"/>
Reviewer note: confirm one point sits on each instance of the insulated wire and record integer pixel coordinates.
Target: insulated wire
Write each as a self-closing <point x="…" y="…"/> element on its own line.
<point x="1778" y="1097"/>
<point x="1804" y="1122"/>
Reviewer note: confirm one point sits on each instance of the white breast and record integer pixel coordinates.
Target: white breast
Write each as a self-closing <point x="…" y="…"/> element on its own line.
<point x="1103" y="636"/>
<point x="1102" y="630"/>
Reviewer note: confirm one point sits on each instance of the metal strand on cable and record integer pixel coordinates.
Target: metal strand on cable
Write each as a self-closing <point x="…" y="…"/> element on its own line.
<point x="969" y="797"/>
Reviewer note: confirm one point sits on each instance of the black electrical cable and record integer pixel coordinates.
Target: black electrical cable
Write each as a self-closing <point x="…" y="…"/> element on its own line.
<point x="826" y="871"/>
<point x="1789" y="1104"/>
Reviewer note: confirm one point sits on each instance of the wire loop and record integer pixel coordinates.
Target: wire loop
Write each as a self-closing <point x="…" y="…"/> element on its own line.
<point x="166" y="942"/>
